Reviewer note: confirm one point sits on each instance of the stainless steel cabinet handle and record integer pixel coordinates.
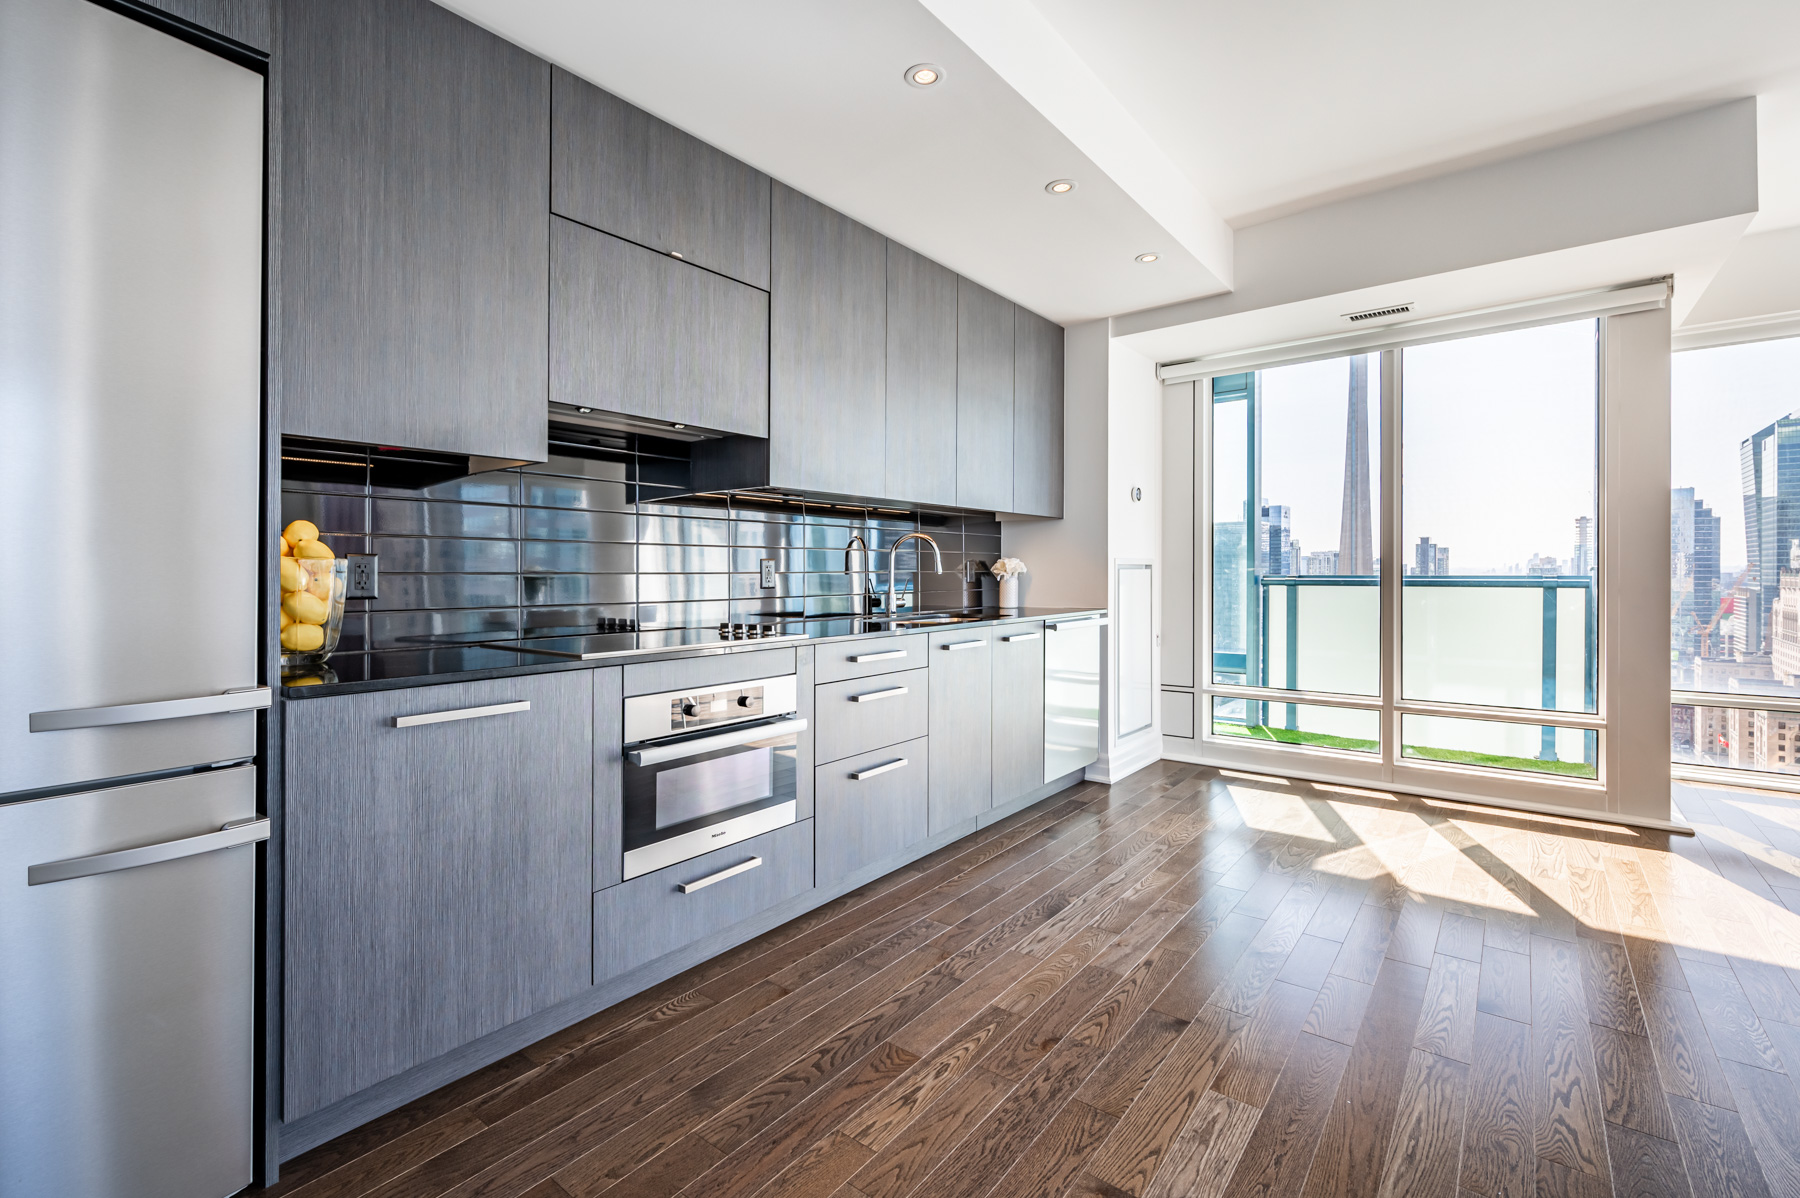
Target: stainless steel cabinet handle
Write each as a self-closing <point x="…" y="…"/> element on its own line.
<point x="1085" y="620"/>
<point x="229" y="837"/>
<point x="871" y="696"/>
<point x="732" y="872"/>
<point x="1021" y="636"/>
<point x="884" y="655"/>
<point x="966" y="645"/>
<point x="657" y="754"/>
<point x="248" y="699"/>
<point x="872" y="771"/>
<point x="461" y="713"/>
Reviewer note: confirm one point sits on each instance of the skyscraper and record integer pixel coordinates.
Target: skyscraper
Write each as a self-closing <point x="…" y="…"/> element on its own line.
<point x="1769" y="462"/>
<point x="1430" y="560"/>
<point x="1356" y="530"/>
<point x="1586" y="557"/>
<point x="1275" y="553"/>
<point x="1693" y="572"/>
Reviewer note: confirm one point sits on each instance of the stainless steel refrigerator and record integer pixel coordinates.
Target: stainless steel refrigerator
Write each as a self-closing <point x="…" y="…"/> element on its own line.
<point x="131" y="210"/>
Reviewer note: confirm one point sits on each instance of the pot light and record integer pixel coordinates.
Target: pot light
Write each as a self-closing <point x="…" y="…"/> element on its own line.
<point x="1146" y="258"/>
<point x="924" y="74"/>
<point x="1060" y="187"/>
<point x="680" y="426"/>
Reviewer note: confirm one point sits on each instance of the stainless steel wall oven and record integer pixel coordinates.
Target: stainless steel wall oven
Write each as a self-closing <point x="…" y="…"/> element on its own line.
<point x="708" y="768"/>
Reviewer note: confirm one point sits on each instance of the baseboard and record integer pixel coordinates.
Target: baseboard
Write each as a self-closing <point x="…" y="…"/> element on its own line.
<point x="320" y="1126"/>
<point x="1127" y="757"/>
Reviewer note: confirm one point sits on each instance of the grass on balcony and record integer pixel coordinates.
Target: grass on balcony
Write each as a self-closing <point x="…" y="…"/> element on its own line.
<point x="1289" y="736"/>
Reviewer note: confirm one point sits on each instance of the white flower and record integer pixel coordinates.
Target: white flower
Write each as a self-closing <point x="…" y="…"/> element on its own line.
<point x="1007" y="567"/>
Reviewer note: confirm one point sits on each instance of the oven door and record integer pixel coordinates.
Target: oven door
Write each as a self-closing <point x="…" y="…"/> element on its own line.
<point x="689" y="795"/>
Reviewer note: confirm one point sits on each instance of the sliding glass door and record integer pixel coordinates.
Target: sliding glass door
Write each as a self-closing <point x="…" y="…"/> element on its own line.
<point x="1404" y="561"/>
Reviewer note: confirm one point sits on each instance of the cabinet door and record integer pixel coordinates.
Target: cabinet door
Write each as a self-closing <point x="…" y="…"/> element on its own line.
<point x="617" y="168"/>
<point x="921" y="379"/>
<point x="1018" y="710"/>
<point x="1037" y="416"/>
<point x="827" y="348"/>
<point x="984" y="399"/>
<point x="437" y="875"/>
<point x="870" y="808"/>
<point x="609" y="778"/>
<point x="962" y="723"/>
<point x="645" y="334"/>
<point x="414" y="230"/>
<point x="243" y="21"/>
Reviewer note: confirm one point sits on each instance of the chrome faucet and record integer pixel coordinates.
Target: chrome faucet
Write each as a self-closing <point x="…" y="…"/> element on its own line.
<point x="893" y="560"/>
<point x="862" y="599"/>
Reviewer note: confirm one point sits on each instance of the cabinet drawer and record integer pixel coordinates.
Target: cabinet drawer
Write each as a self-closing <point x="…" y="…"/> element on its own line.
<point x="860" y="714"/>
<point x="839" y="660"/>
<point x="862" y="820"/>
<point x="647" y="917"/>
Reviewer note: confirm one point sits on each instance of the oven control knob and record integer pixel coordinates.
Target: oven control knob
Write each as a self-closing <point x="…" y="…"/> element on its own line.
<point x="745" y="701"/>
<point x="688" y="709"/>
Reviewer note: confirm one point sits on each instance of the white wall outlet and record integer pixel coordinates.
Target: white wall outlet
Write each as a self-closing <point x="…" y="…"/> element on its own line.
<point x="768" y="573"/>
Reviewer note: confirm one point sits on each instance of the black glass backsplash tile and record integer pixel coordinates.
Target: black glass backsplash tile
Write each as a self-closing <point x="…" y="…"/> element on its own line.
<point x="578" y="541"/>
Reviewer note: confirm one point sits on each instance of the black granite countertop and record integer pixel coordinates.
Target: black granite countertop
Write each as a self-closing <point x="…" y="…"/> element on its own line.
<point x="350" y="673"/>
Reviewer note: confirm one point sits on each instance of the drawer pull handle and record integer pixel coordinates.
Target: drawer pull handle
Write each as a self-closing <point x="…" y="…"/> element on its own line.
<point x="1021" y="636"/>
<point x="1081" y="623"/>
<point x="872" y="771"/>
<point x="461" y="713"/>
<point x="871" y="696"/>
<point x="249" y="699"/>
<point x="731" y="872"/>
<point x="238" y="832"/>
<point x="966" y="645"/>
<point x="884" y="655"/>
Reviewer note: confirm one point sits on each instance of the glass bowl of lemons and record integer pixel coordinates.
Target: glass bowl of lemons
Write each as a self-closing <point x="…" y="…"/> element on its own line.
<point x="313" y="581"/>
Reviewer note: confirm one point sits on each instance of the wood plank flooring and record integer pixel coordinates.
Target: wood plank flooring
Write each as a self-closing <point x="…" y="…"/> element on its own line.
<point x="1190" y="985"/>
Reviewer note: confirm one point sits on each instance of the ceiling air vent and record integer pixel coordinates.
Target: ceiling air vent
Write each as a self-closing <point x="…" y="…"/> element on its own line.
<point x="1377" y="313"/>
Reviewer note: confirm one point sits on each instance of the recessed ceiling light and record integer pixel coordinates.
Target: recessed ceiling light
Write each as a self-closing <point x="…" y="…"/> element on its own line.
<point x="674" y="253"/>
<point x="1060" y="187"/>
<point x="584" y="410"/>
<point x="680" y="426"/>
<point x="924" y="74"/>
<point x="1148" y="257"/>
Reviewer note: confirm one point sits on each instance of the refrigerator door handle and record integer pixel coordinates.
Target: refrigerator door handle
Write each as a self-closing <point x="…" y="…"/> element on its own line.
<point x="248" y="699"/>
<point x="230" y="836"/>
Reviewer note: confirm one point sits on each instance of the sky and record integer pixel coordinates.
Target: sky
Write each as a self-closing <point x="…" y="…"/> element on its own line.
<point x="1499" y="441"/>
<point x="1717" y="398"/>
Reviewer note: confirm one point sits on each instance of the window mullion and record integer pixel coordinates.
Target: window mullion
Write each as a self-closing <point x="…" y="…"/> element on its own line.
<point x="1391" y="534"/>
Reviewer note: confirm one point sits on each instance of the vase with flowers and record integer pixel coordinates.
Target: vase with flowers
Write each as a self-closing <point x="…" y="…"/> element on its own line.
<point x="1007" y="570"/>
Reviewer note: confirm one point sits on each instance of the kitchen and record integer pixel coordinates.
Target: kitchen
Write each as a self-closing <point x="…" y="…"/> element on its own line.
<point x="547" y="656"/>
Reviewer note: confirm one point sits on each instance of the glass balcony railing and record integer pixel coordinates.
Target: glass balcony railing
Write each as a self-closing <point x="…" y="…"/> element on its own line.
<point x="1509" y="641"/>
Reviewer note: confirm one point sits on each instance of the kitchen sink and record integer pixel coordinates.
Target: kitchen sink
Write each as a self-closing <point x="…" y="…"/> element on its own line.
<point x="927" y="620"/>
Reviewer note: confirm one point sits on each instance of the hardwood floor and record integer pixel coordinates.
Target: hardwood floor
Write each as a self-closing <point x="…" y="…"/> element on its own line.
<point x="1190" y="985"/>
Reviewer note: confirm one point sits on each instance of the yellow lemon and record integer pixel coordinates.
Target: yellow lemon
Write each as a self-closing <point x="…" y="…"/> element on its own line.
<point x="287" y="549"/>
<point x="318" y="549"/>
<point x="286" y="619"/>
<point x="321" y="584"/>
<point x="301" y="530"/>
<point x="304" y="608"/>
<point x="302" y="638"/>
<point x="293" y="575"/>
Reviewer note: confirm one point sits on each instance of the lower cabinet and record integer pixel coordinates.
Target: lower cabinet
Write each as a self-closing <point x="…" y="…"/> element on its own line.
<point x="640" y="920"/>
<point x="437" y="873"/>
<point x="962" y="726"/>
<point x="870" y="808"/>
<point x="1018" y="710"/>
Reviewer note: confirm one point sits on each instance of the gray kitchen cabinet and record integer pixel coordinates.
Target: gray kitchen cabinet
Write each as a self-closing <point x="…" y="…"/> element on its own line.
<point x="1037" y="458"/>
<point x="1018" y="710"/>
<point x="871" y="807"/>
<point x="243" y="21"/>
<point x="437" y="874"/>
<point x="869" y="655"/>
<point x="984" y="399"/>
<point x="609" y="778"/>
<point x="615" y="167"/>
<point x="827" y="349"/>
<point x="921" y="379"/>
<point x="414" y="230"/>
<point x="962" y="723"/>
<point x="860" y="714"/>
<point x="641" y="333"/>
<point x="653" y="915"/>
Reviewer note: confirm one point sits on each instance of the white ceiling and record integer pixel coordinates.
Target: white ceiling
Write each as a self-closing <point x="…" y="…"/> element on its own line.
<point x="1178" y="117"/>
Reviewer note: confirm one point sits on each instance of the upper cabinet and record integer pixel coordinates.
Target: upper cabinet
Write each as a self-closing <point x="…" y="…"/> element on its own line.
<point x="639" y="332"/>
<point x="1037" y="426"/>
<point x="243" y="21"/>
<point x="617" y="168"/>
<point x="984" y="399"/>
<point x="921" y="378"/>
<point x="827" y="349"/>
<point x="414" y="217"/>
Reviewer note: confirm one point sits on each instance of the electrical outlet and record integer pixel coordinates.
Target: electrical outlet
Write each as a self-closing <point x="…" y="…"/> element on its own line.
<point x="365" y="576"/>
<point x="768" y="573"/>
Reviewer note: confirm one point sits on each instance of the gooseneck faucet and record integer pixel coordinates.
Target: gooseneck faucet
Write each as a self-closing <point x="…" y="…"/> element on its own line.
<point x="893" y="561"/>
<point x="862" y="599"/>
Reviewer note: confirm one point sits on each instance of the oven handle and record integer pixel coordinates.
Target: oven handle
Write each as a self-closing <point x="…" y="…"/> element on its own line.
<point x="658" y="754"/>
